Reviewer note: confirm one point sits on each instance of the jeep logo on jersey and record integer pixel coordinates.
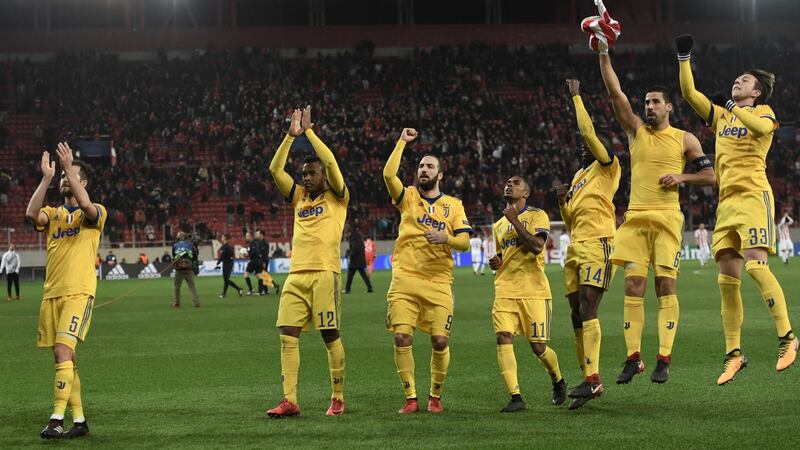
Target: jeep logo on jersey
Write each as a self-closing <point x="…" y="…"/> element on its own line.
<point x="310" y="212"/>
<point x="513" y="242"/>
<point x="69" y="232"/>
<point x="433" y="223"/>
<point x="737" y="132"/>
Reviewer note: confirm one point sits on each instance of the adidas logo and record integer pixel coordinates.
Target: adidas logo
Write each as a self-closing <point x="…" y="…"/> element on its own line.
<point x="149" y="271"/>
<point x="117" y="274"/>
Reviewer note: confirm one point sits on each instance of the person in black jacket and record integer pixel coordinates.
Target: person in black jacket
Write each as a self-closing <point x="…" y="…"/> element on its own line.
<point x="226" y="257"/>
<point x="255" y="265"/>
<point x="358" y="260"/>
<point x="265" y="280"/>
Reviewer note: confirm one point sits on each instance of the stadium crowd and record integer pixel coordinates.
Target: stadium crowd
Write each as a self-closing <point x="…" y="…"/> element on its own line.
<point x="186" y="130"/>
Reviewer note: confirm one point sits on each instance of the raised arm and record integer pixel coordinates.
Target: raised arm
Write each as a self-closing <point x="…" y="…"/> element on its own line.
<point x="332" y="171"/>
<point x="393" y="183"/>
<point x="34" y="211"/>
<point x="699" y="102"/>
<point x="585" y="125"/>
<point x="90" y="211"/>
<point x="629" y="121"/>
<point x="283" y="180"/>
<point x="703" y="175"/>
<point x="563" y="205"/>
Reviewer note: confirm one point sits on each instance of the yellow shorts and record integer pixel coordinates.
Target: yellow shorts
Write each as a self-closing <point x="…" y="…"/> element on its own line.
<point x="64" y="320"/>
<point x="650" y="238"/>
<point x="310" y="297"/>
<point x="745" y="220"/>
<point x="589" y="264"/>
<point x="418" y="303"/>
<point x="523" y="317"/>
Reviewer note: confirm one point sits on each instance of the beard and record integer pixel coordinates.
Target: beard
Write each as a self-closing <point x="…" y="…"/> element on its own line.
<point x="428" y="185"/>
<point x="65" y="192"/>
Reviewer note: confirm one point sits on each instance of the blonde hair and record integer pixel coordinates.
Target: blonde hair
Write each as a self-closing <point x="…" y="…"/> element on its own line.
<point x="765" y="82"/>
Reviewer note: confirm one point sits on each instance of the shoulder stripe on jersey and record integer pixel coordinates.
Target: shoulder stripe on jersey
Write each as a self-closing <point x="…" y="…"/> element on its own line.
<point x="290" y="197"/>
<point x="97" y="219"/>
<point x="710" y="114"/>
<point x="344" y="191"/>
<point x="400" y="197"/>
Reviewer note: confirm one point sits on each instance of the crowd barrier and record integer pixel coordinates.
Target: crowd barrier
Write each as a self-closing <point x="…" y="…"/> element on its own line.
<point x="281" y="265"/>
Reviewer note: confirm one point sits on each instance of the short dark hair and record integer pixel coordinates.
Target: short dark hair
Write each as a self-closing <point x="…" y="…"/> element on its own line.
<point x="311" y="159"/>
<point x="524" y="181"/>
<point x="438" y="161"/>
<point x="662" y="89"/>
<point x="85" y="171"/>
<point x="765" y="82"/>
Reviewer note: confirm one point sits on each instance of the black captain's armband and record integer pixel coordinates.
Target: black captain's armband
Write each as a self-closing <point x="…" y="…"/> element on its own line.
<point x="701" y="163"/>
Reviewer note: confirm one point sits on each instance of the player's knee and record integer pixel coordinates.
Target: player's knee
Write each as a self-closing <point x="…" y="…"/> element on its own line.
<point x="439" y="343"/>
<point x="665" y="286"/>
<point x="755" y="254"/>
<point x="403" y="340"/>
<point x="504" y="338"/>
<point x="291" y="331"/>
<point x="538" y="348"/>
<point x="329" y="335"/>
<point x="63" y="353"/>
<point x="588" y="311"/>
<point x="635" y="286"/>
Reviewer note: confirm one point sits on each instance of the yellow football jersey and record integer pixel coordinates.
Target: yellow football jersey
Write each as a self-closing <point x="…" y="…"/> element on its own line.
<point x="413" y="255"/>
<point x="741" y="157"/>
<point x="317" y="234"/>
<point x="655" y="153"/>
<point x="589" y="204"/>
<point x="521" y="273"/>
<point x="72" y="242"/>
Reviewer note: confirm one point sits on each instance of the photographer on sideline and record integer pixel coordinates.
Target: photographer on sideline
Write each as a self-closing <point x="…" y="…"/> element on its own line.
<point x="184" y="257"/>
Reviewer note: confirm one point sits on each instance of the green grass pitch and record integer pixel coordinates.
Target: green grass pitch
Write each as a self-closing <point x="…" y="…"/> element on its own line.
<point x="157" y="377"/>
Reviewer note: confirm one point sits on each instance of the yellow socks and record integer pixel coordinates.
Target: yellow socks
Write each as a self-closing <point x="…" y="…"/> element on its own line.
<point x="732" y="311"/>
<point x="633" y="315"/>
<point x="65" y="374"/>
<point x="591" y="344"/>
<point x="336" y="365"/>
<point x="549" y="360"/>
<point x="404" y="360"/>
<point x="75" y="398"/>
<point x="668" y="314"/>
<point x="772" y="294"/>
<point x="579" y="348"/>
<point x="290" y="365"/>
<point x="440" y="361"/>
<point x="508" y="367"/>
